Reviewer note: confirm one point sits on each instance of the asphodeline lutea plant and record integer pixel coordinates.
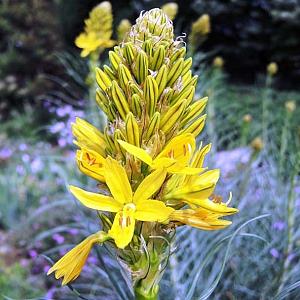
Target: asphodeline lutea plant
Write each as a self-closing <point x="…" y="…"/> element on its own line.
<point x="97" y="31"/>
<point x="150" y="173"/>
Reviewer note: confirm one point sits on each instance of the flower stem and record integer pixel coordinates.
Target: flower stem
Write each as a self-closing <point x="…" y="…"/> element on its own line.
<point x="290" y="234"/>
<point x="144" y="294"/>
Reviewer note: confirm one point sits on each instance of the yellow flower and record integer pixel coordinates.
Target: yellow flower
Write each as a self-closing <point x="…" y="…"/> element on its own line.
<point x="174" y="157"/>
<point x="88" y="137"/>
<point x="200" y="29"/>
<point x="201" y="218"/>
<point x="98" y="30"/>
<point x="170" y="9"/>
<point x="127" y="205"/>
<point x="272" y="68"/>
<point x="90" y="163"/>
<point x="90" y="42"/>
<point x="71" y="264"/>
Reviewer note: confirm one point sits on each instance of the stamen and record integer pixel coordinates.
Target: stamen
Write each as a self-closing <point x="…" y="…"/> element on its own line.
<point x="184" y="150"/>
<point x="216" y="198"/>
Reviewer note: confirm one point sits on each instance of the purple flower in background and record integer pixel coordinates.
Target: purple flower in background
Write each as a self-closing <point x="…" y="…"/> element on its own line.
<point x="62" y="252"/>
<point x="62" y="142"/>
<point x="37" y="165"/>
<point x="43" y="200"/>
<point x="64" y="110"/>
<point x="46" y="268"/>
<point x="50" y="294"/>
<point x="73" y="231"/>
<point x="58" y="238"/>
<point x="32" y="253"/>
<point x="279" y="225"/>
<point x="227" y="161"/>
<point x="57" y="127"/>
<point x="92" y="260"/>
<point x="274" y="252"/>
<point x="5" y="153"/>
<point x="26" y="158"/>
<point x="23" y="147"/>
<point x="24" y="262"/>
<point x="20" y="170"/>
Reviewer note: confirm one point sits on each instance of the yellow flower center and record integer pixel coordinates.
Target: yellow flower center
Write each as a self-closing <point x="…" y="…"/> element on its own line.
<point x="129" y="207"/>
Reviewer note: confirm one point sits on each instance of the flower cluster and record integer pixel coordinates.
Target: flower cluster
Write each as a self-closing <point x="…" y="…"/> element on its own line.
<point x="98" y="30"/>
<point x="150" y="173"/>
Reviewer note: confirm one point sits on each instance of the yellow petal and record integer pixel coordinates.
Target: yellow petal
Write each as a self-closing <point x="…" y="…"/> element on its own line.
<point x="150" y="185"/>
<point x="152" y="211"/>
<point x="179" y="148"/>
<point x="177" y="169"/>
<point x="199" y="156"/>
<point x="90" y="163"/>
<point x="220" y="208"/>
<point x="137" y="152"/>
<point x="165" y="162"/>
<point x="123" y="228"/>
<point x="117" y="181"/>
<point x="70" y="265"/>
<point x="192" y="218"/>
<point x="88" y="136"/>
<point x="95" y="201"/>
<point x="211" y="176"/>
<point x="191" y="193"/>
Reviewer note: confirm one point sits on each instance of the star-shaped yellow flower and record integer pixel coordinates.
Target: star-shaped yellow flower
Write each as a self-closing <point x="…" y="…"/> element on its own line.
<point x="174" y="157"/>
<point x="129" y="206"/>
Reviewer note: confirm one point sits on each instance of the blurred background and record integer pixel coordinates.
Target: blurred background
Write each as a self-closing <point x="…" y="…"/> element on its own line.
<point x="247" y="56"/>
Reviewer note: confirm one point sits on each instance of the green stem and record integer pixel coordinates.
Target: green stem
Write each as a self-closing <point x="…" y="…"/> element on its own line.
<point x="144" y="294"/>
<point x="290" y="234"/>
<point x="265" y="109"/>
<point x="284" y="141"/>
<point x="211" y="121"/>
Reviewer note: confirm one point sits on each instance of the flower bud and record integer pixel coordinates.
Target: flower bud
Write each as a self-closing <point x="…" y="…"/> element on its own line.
<point x="272" y="68"/>
<point x="218" y="62"/>
<point x="123" y="29"/>
<point x="290" y="106"/>
<point x="170" y="9"/>
<point x="257" y="144"/>
<point x="247" y="118"/>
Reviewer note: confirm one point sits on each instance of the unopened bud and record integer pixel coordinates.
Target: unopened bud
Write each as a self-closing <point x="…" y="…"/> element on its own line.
<point x="218" y="62"/>
<point x="247" y="118"/>
<point x="123" y="29"/>
<point x="257" y="144"/>
<point x="170" y="9"/>
<point x="290" y="106"/>
<point x="272" y="68"/>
